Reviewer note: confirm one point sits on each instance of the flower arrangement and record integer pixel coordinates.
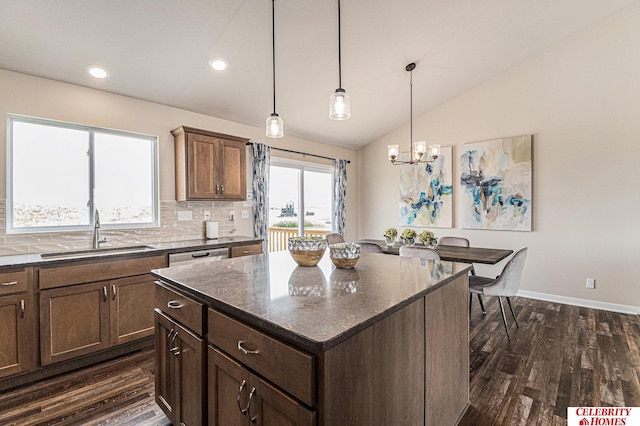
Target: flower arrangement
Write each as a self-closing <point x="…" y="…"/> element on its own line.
<point x="427" y="237"/>
<point x="390" y="233"/>
<point x="408" y="235"/>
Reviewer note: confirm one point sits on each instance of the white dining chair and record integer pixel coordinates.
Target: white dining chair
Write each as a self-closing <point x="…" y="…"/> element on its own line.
<point x="334" y="238"/>
<point x="369" y="247"/>
<point x="505" y="285"/>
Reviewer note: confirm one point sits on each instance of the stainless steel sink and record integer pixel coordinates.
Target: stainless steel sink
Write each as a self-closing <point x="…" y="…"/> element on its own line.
<point x="94" y="252"/>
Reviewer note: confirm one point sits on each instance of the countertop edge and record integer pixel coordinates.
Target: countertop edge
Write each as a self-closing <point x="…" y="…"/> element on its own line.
<point x="169" y="247"/>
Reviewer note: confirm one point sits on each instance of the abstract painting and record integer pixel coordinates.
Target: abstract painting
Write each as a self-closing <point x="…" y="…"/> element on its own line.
<point x="426" y="192"/>
<point x="495" y="177"/>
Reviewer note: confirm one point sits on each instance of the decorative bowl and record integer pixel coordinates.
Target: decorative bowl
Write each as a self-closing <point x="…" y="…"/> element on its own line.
<point x="307" y="251"/>
<point x="344" y="255"/>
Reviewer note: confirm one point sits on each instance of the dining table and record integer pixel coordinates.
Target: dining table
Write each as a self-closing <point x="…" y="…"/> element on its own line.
<point x="488" y="256"/>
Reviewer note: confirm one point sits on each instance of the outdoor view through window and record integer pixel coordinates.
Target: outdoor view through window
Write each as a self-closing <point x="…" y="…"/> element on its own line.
<point x="300" y="197"/>
<point x="51" y="169"/>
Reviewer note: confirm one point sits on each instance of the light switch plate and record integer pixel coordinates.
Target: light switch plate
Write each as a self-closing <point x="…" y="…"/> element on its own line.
<point x="245" y="214"/>
<point x="591" y="283"/>
<point x="207" y="215"/>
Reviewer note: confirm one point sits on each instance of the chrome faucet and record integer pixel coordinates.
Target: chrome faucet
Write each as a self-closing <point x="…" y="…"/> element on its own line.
<point x="96" y="235"/>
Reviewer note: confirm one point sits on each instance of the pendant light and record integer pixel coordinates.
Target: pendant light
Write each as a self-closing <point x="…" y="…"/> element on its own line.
<point x="339" y="102"/>
<point x="275" y="126"/>
<point x="419" y="148"/>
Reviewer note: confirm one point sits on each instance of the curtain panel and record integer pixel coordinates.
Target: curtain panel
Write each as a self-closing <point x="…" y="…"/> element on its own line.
<point x="261" y="160"/>
<point x="339" y="196"/>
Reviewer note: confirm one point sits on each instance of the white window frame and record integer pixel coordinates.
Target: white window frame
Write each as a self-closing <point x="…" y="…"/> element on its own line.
<point x="303" y="166"/>
<point x="10" y="229"/>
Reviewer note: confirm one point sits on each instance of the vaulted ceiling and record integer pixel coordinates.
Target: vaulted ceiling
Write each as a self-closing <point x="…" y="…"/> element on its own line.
<point x="158" y="50"/>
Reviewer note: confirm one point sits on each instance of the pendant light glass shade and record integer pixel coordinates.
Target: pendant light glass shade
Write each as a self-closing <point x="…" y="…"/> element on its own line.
<point x="339" y="102"/>
<point x="339" y="105"/>
<point x="275" y="126"/>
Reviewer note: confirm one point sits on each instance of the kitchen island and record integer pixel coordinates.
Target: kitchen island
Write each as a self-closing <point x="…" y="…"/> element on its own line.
<point x="267" y="341"/>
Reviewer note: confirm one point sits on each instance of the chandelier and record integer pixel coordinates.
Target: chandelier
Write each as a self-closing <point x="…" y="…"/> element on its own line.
<point x="418" y="148"/>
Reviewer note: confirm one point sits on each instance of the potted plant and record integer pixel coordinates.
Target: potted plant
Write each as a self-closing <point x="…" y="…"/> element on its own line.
<point x="427" y="238"/>
<point x="408" y="236"/>
<point x="390" y="235"/>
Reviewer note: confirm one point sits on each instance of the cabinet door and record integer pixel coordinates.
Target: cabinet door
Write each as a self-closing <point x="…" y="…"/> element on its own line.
<point x="180" y="372"/>
<point x="271" y="407"/>
<point x="16" y="350"/>
<point x="166" y="380"/>
<point x="238" y="398"/>
<point x="228" y="390"/>
<point x="232" y="170"/>
<point x="74" y="321"/>
<point x="131" y="309"/>
<point x="202" y="158"/>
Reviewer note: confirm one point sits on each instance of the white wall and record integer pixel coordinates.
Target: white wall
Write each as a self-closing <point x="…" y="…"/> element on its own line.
<point x="37" y="97"/>
<point x="581" y="101"/>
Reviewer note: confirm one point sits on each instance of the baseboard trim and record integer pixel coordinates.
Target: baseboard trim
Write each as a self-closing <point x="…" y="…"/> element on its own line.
<point x="604" y="306"/>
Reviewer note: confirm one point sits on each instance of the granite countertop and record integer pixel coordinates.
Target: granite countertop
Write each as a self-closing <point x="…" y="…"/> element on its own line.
<point x="313" y="307"/>
<point x="34" y="259"/>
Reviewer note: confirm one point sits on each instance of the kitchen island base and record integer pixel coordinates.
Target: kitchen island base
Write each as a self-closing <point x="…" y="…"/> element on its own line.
<point x="406" y="365"/>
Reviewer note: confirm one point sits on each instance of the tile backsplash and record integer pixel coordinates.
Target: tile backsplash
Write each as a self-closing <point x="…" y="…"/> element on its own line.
<point x="170" y="229"/>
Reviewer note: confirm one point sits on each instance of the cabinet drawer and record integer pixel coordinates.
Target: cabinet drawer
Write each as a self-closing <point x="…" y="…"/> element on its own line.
<point x="13" y="281"/>
<point x="286" y="366"/>
<point x="83" y="272"/>
<point x="179" y="307"/>
<point x="246" y="250"/>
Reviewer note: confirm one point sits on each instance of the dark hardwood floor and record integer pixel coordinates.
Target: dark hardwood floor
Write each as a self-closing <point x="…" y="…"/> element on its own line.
<point x="561" y="356"/>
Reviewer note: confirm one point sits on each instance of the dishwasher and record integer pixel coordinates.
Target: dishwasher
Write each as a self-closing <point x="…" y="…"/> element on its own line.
<point x="199" y="256"/>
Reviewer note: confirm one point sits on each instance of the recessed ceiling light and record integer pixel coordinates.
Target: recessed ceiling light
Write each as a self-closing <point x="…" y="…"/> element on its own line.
<point x="218" y="64"/>
<point x="97" y="72"/>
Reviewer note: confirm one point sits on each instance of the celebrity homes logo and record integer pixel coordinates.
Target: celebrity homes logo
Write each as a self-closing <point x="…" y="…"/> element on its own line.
<point x="603" y="416"/>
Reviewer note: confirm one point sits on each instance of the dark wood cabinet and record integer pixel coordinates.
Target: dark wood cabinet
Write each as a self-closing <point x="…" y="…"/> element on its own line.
<point x="74" y="321"/>
<point x="81" y="319"/>
<point x="238" y="397"/>
<point x="209" y="165"/>
<point x="89" y="307"/>
<point x="180" y="367"/>
<point x="18" y="343"/>
<point x="131" y="309"/>
<point x="246" y="250"/>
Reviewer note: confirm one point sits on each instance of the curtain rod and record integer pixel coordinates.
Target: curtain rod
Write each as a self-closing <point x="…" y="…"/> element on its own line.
<point x="303" y="153"/>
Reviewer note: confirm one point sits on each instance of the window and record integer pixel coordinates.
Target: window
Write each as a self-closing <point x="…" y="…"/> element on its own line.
<point x="58" y="174"/>
<point x="300" y="200"/>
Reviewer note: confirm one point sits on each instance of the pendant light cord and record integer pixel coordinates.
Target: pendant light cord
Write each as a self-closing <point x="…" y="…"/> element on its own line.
<point x="273" y="49"/>
<point x="339" y="50"/>
<point x="411" y="111"/>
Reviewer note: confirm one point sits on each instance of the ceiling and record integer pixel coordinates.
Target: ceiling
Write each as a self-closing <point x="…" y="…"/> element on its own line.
<point x="158" y="50"/>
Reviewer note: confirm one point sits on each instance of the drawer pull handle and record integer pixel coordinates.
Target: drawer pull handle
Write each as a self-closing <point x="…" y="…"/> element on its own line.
<point x="10" y="283"/>
<point x="113" y="291"/>
<point x="104" y="292"/>
<point x="246" y="251"/>
<point x="172" y="335"/>
<point x="246" y="351"/>
<point x="174" y="304"/>
<point x="253" y="392"/>
<point x="242" y="410"/>
<point x="196" y="256"/>
<point x="22" y="308"/>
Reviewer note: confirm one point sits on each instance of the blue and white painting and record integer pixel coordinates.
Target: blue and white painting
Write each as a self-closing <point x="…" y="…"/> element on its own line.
<point x="426" y="192"/>
<point x="495" y="177"/>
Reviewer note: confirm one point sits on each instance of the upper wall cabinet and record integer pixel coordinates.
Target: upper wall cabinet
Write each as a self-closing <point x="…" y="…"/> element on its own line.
<point x="209" y="166"/>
